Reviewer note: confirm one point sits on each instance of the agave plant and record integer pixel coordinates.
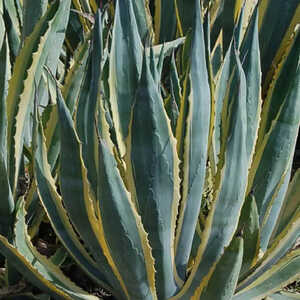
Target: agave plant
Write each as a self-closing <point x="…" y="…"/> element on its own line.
<point x="161" y="155"/>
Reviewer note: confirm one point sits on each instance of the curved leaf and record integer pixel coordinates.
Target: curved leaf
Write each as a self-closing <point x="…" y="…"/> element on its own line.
<point x="44" y="266"/>
<point x="278" y="249"/>
<point x="283" y="296"/>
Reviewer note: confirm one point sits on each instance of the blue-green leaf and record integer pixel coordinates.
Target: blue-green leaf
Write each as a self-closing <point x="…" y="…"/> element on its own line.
<point x="123" y="230"/>
<point x="125" y="68"/>
<point x="223" y="281"/>
<point x="32" y="12"/>
<point x="195" y="147"/>
<point x="155" y="171"/>
<point x="56" y="213"/>
<point x="278" y="151"/>
<point x="278" y="276"/>
<point x="86" y="109"/>
<point x="250" y="57"/>
<point x="275" y="37"/>
<point x="290" y="205"/>
<point x="249" y="228"/>
<point x="231" y="183"/>
<point x="78" y="198"/>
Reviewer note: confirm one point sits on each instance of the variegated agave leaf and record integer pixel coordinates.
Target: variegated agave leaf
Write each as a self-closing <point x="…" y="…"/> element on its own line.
<point x="163" y="160"/>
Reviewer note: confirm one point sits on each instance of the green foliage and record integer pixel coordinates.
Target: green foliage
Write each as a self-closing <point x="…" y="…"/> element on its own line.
<point x="158" y="142"/>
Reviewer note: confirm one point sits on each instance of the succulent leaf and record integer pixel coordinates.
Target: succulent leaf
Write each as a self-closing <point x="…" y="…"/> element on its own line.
<point x="27" y="70"/>
<point x="195" y="146"/>
<point x="279" y="275"/>
<point x="83" y="214"/>
<point x="224" y="279"/>
<point x="156" y="176"/>
<point x="125" y="69"/>
<point x="57" y="215"/>
<point x="230" y="192"/>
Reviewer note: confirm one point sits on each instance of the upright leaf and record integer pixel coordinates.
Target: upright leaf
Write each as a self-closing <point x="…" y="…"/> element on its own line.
<point x="27" y="69"/>
<point x="195" y="146"/>
<point x="250" y="57"/>
<point x="78" y="198"/>
<point x="230" y="14"/>
<point x="280" y="85"/>
<point x="12" y="25"/>
<point x="164" y="21"/>
<point x="186" y="12"/>
<point x="224" y="91"/>
<point x="125" y="68"/>
<point x="230" y="186"/>
<point x="249" y="228"/>
<point x="71" y="90"/>
<point x="32" y="12"/>
<point x="119" y="218"/>
<point x="2" y="25"/>
<point x="277" y="153"/>
<point x="86" y="109"/>
<point x="290" y="206"/>
<point x="143" y="18"/>
<point x="275" y="36"/>
<point x="7" y="204"/>
<point x="223" y="282"/>
<point x="4" y="78"/>
<point x="155" y="171"/>
<point x="175" y="83"/>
